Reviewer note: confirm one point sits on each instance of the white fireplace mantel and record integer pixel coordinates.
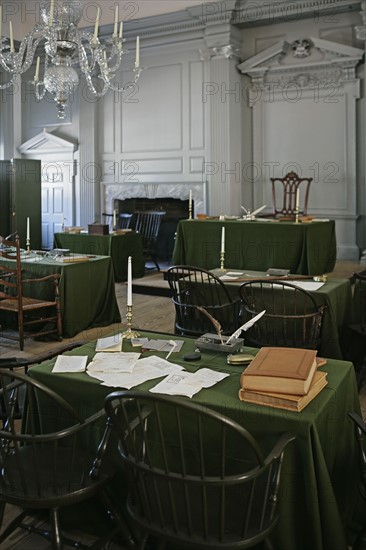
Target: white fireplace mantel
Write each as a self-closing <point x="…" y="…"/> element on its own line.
<point x="176" y="190"/>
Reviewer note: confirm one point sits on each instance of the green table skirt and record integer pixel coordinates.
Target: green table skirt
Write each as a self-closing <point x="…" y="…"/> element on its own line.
<point x="303" y="248"/>
<point x="320" y="472"/>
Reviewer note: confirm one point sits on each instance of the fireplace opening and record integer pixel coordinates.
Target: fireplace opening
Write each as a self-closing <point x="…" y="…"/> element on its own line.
<point x="176" y="209"/>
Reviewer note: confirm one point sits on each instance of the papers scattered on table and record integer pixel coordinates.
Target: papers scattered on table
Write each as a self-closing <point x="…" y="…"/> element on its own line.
<point x="70" y="363"/>
<point x="138" y="342"/>
<point x="306" y="285"/>
<point x="144" y="369"/>
<point x="163" y="345"/>
<point x="188" y="383"/>
<point x="113" y="362"/>
<point x="110" y="343"/>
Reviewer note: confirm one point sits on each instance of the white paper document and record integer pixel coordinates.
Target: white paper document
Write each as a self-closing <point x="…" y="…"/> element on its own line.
<point x="144" y="369"/>
<point x="163" y="345"/>
<point x="306" y="285"/>
<point x="113" y="362"/>
<point x="110" y="343"/>
<point x="187" y="383"/>
<point x="70" y="363"/>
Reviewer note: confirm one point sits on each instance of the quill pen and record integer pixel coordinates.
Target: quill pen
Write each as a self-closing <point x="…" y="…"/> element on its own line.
<point x="246" y="325"/>
<point x="214" y="321"/>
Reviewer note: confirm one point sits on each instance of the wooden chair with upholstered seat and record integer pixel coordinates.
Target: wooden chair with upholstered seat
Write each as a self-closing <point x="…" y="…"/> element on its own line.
<point x="291" y="319"/>
<point x="196" y="478"/>
<point x="284" y="192"/>
<point x="192" y="287"/>
<point x="35" y="302"/>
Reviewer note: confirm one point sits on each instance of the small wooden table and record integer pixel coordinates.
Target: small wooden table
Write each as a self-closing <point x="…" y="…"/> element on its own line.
<point x="118" y="246"/>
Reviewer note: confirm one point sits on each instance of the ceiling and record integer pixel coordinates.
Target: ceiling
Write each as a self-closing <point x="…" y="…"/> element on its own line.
<point x="24" y="14"/>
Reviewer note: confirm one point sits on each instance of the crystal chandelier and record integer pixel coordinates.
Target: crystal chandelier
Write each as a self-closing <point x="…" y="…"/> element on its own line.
<point x="65" y="46"/>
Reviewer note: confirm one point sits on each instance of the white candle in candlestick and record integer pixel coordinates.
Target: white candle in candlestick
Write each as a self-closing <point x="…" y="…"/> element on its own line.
<point x="297" y="199"/>
<point x="96" y="25"/>
<point x="115" y="219"/>
<point x="137" y="62"/>
<point x="223" y="240"/>
<point x="190" y="200"/>
<point x="28" y="229"/>
<point x="52" y="7"/>
<point x="120" y="29"/>
<point x="129" y="281"/>
<point x="11" y="36"/>
<point x="36" y="76"/>
<point x="115" y="22"/>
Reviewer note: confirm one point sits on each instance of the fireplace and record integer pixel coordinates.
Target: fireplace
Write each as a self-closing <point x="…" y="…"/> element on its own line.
<point x="172" y="198"/>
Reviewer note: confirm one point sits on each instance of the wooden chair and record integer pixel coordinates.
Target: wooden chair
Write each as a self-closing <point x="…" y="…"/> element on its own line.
<point x="360" y="431"/>
<point x="192" y="287"/>
<point x="354" y="334"/>
<point x="284" y="195"/>
<point x="292" y="318"/>
<point x="148" y="223"/>
<point x="46" y="460"/>
<point x="195" y="477"/>
<point x="36" y="316"/>
<point x="124" y="220"/>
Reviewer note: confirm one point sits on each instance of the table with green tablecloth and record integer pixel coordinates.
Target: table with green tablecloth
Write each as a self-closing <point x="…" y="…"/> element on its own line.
<point x="335" y="294"/>
<point x="87" y="290"/>
<point x="320" y="473"/>
<point x="303" y="248"/>
<point x="118" y="246"/>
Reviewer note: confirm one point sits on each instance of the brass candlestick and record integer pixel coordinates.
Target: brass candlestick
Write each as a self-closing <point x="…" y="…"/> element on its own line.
<point x="297" y="214"/>
<point x="27" y="242"/>
<point x="222" y="260"/>
<point x="129" y="333"/>
<point x="190" y="212"/>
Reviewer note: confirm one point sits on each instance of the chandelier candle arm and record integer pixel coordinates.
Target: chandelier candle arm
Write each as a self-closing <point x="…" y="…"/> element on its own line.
<point x="68" y="52"/>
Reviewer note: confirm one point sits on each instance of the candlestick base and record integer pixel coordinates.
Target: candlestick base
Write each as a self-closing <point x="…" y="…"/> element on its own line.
<point x="27" y="242"/>
<point x="129" y="333"/>
<point x="190" y="213"/>
<point x="297" y="215"/>
<point x="222" y="261"/>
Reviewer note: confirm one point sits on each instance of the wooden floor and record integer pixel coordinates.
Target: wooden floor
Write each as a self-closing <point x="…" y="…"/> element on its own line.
<point x="149" y="313"/>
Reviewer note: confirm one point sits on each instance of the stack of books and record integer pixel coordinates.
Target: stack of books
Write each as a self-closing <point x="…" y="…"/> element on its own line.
<point x="286" y="378"/>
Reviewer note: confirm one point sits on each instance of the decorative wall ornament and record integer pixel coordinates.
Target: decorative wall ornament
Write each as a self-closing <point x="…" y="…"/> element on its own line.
<point x="361" y="29"/>
<point x="228" y="52"/>
<point x="301" y="48"/>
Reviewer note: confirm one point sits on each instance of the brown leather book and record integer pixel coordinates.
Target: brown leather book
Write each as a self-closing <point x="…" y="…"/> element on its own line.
<point x="280" y="370"/>
<point x="282" y="401"/>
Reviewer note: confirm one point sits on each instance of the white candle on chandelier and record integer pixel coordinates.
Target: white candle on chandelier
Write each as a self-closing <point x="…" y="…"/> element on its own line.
<point x="11" y="36"/>
<point x="137" y="62"/>
<point x="223" y="240"/>
<point x="1" y="20"/>
<point x="36" y="76"/>
<point x="114" y="219"/>
<point x="115" y="22"/>
<point x="120" y="29"/>
<point x="28" y="229"/>
<point x="95" y="37"/>
<point x="52" y="8"/>
<point x="129" y="281"/>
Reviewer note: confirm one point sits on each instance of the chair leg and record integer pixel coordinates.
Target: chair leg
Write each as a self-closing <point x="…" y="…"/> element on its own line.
<point x="55" y="527"/>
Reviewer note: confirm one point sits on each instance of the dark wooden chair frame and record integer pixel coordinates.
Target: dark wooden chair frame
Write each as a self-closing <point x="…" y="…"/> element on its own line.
<point x="196" y="478"/>
<point x="31" y="312"/>
<point x="292" y="317"/>
<point x="148" y="223"/>
<point x="360" y="432"/>
<point x="287" y="187"/>
<point x="191" y="287"/>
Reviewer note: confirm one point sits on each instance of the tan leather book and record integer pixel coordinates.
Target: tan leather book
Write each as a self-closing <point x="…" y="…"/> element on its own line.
<point x="280" y="370"/>
<point x="282" y="401"/>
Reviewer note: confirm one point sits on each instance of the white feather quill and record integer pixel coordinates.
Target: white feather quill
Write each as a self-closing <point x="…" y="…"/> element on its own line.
<point x="246" y="325"/>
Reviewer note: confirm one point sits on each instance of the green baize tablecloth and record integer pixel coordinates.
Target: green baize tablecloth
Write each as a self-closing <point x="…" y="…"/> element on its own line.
<point x="320" y="472"/>
<point x="118" y="246"/>
<point x="304" y="248"/>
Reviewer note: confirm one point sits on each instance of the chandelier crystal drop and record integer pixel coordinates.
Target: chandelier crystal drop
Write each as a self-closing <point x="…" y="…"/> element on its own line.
<point x="67" y="52"/>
